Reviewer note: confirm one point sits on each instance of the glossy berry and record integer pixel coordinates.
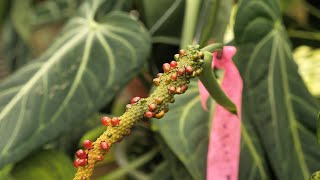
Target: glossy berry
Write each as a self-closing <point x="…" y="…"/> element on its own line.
<point x="105" y="121"/>
<point x="178" y="90"/>
<point x="115" y="121"/>
<point x="174" y="76"/>
<point x="184" y="88"/>
<point x="189" y="69"/>
<point x="173" y="64"/>
<point x="82" y="162"/>
<point x="182" y="52"/>
<point x="148" y="114"/>
<point x="135" y="100"/>
<point x="160" y="114"/>
<point x="156" y="81"/>
<point x="180" y="71"/>
<point x="104" y="146"/>
<point x="81" y="154"/>
<point x="166" y="67"/>
<point x="76" y="163"/>
<point x="152" y="107"/>
<point x="172" y="89"/>
<point x="87" y="144"/>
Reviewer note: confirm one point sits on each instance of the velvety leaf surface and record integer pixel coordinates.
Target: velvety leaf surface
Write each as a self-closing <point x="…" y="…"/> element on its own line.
<point x="276" y="100"/>
<point x="48" y="165"/>
<point x="77" y="75"/>
<point x="185" y="129"/>
<point x="253" y="163"/>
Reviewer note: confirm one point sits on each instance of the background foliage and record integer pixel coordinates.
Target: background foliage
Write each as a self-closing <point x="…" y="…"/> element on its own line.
<point x="66" y="63"/>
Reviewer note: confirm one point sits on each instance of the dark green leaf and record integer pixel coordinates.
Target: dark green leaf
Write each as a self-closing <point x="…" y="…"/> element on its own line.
<point x="252" y="158"/>
<point x="77" y="75"/>
<point x="213" y="20"/>
<point x="48" y="165"/>
<point x="163" y="18"/>
<point x="274" y="96"/>
<point x="175" y="166"/>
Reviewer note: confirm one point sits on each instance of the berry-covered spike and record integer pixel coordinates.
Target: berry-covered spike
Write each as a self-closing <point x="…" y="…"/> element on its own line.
<point x="173" y="81"/>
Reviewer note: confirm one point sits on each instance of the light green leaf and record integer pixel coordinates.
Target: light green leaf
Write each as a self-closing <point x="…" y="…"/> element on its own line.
<point x="48" y="165"/>
<point x="77" y="75"/>
<point x="274" y="96"/>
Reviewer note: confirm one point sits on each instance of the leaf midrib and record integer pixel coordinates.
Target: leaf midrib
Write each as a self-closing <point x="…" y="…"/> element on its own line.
<point x="291" y="115"/>
<point x="28" y="86"/>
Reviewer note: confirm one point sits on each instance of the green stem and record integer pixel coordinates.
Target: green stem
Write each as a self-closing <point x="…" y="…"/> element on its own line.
<point x="209" y="80"/>
<point x="304" y="34"/>
<point x="134" y="165"/>
<point x="189" y="22"/>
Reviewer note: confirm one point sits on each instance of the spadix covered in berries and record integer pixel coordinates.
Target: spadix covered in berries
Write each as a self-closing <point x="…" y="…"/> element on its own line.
<point x="174" y="80"/>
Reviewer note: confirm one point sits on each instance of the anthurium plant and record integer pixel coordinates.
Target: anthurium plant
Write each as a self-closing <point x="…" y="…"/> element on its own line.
<point x="148" y="89"/>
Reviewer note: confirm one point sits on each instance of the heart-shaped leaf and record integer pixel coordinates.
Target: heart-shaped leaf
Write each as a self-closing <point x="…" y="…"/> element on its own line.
<point x="274" y="95"/>
<point x="78" y="74"/>
<point x="185" y="129"/>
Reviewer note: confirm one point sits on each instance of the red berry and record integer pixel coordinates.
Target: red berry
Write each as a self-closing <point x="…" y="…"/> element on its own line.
<point x="182" y="52"/>
<point x="105" y="121"/>
<point x="173" y="64"/>
<point x="166" y="67"/>
<point x="82" y="162"/>
<point x="87" y="144"/>
<point x="152" y="107"/>
<point x="149" y="114"/>
<point x="172" y="89"/>
<point x="180" y="71"/>
<point x="115" y="121"/>
<point x="174" y="76"/>
<point x="104" y="146"/>
<point x="135" y="100"/>
<point x="76" y="163"/>
<point x="184" y="88"/>
<point x="81" y="154"/>
<point x="189" y="69"/>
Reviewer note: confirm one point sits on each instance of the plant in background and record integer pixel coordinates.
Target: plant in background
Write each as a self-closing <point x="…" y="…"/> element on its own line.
<point x="64" y="64"/>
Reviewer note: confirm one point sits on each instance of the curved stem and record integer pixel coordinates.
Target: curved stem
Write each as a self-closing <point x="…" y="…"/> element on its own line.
<point x="209" y="80"/>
